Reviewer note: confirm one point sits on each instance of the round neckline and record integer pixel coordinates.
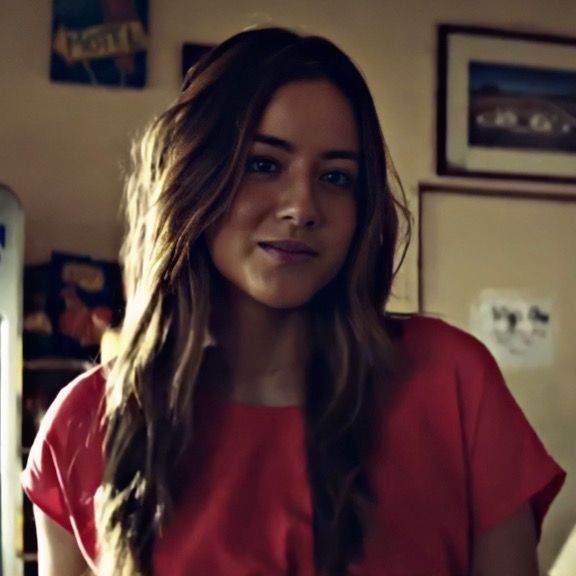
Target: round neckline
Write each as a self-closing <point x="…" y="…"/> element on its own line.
<point x="216" y="399"/>
<point x="220" y="400"/>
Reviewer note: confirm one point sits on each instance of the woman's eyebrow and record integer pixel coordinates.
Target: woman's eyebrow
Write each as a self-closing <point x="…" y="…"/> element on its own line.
<point x="289" y="147"/>
<point x="274" y="141"/>
<point x="341" y="155"/>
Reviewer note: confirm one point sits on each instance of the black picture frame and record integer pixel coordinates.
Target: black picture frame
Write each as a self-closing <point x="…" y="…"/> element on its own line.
<point x="191" y="53"/>
<point x="506" y="104"/>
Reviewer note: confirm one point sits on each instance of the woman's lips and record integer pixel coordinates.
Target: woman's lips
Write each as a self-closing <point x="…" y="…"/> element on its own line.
<point x="288" y="251"/>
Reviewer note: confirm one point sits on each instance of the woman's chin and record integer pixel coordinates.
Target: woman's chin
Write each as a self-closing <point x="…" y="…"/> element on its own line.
<point x="283" y="300"/>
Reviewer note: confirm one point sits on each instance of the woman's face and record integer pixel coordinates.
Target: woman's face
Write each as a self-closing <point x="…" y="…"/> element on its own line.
<point x="292" y="221"/>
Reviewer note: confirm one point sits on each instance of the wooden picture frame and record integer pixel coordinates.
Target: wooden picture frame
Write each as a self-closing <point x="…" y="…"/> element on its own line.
<point x="506" y="104"/>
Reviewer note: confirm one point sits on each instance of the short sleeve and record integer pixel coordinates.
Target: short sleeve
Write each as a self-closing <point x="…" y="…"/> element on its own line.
<point x="508" y="463"/>
<point x="42" y="477"/>
<point x="64" y="467"/>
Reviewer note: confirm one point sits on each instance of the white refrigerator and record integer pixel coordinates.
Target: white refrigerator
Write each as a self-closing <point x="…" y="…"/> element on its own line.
<point x="11" y="294"/>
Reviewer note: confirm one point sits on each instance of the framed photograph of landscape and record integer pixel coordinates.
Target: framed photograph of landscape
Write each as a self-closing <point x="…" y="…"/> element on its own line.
<point x="506" y="104"/>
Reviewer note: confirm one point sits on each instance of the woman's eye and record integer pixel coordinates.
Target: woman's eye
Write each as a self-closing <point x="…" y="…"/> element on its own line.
<point x="338" y="178"/>
<point x="261" y="166"/>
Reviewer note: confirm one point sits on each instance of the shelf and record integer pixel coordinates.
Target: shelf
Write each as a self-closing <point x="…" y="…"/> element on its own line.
<point x="76" y="364"/>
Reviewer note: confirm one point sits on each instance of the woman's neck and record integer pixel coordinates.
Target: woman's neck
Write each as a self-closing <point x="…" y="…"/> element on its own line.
<point x="265" y="352"/>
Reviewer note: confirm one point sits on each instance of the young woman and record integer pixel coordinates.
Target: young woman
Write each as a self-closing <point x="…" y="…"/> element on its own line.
<point x="263" y="415"/>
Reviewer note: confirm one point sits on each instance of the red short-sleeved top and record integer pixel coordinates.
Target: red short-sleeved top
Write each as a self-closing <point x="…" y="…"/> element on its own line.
<point x="454" y="457"/>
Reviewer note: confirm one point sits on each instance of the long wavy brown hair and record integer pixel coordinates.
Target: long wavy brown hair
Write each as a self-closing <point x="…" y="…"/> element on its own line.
<point x="188" y="166"/>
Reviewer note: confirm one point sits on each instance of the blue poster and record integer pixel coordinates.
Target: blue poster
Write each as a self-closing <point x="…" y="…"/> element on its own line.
<point x="100" y="42"/>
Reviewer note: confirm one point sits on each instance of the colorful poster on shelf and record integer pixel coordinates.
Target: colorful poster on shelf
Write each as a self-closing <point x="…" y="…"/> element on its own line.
<point x="100" y="42"/>
<point x="516" y="327"/>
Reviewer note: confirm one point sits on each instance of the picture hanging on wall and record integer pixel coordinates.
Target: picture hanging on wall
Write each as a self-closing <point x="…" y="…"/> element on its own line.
<point x="191" y="53"/>
<point x="100" y="42"/>
<point x="507" y="104"/>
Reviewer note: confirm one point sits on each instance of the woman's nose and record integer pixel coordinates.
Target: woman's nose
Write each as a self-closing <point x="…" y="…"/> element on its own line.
<point x="299" y="203"/>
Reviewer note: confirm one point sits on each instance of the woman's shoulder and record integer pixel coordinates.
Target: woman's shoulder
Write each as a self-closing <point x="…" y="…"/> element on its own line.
<point x="83" y="391"/>
<point x="454" y="407"/>
<point x="430" y="341"/>
<point x="77" y="404"/>
<point x="417" y="327"/>
<point x="441" y="362"/>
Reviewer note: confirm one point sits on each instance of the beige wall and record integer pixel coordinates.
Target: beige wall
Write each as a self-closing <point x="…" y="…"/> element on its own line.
<point x="63" y="145"/>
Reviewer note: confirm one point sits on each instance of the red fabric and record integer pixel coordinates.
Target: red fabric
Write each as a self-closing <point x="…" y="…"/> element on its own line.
<point x="455" y="456"/>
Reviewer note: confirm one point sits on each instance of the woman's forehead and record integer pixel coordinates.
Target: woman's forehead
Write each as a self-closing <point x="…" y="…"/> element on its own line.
<point x="313" y="112"/>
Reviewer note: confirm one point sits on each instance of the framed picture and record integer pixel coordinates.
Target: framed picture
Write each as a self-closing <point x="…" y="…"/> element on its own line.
<point x="507" y="104"/>
<point x="100" y="42"/>
<point x="191" y="53"/>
